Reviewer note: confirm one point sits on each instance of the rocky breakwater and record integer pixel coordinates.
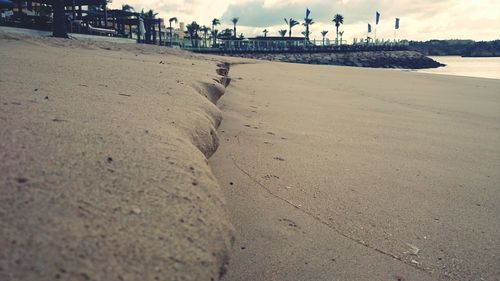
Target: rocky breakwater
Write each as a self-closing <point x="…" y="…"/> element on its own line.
<point x="377" y="59"/>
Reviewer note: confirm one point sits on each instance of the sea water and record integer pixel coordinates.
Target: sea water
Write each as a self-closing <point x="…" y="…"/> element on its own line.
<point x="472" y="67"/>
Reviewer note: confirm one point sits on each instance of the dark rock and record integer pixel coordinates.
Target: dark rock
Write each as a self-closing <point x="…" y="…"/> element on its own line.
<point x="376" y="59"/>
<point x="21" y="180"/>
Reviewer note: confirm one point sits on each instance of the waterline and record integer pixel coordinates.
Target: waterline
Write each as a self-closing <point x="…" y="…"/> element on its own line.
<point x="471" y="67"/>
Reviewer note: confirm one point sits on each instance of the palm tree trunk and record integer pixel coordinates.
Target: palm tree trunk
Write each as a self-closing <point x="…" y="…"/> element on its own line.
<point x="59" y="22"/>
<point x="147" y="34"/>
<point x="214" y="36"/>
<point x="105" y="16"/>
<point x="159" y="33"/>
<point x="153" y="31"/>
<point x="73" y="10"/>
<point x="235" y="31"/>
<point x="337" y="39"/>
<point x="290" y="32"/>
<point x="170" y="23"/>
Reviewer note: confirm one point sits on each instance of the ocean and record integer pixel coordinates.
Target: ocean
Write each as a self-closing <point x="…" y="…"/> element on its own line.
<point x="472" y="67"/>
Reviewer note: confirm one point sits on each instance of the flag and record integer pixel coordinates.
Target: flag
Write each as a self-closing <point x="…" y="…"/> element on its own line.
<point x="369" y="28"/>
<point x="307" y="13"/>
<point x="397" y="23"/>
<point x="377" y="17"/>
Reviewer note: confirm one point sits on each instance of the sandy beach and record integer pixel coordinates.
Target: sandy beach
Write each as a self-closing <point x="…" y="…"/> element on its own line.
<point x="120" y="162"/>
<point x="103" y="171"/>
<point x="338" y="173"/>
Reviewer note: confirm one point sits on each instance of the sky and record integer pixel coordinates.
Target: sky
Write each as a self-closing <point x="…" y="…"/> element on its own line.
<point x="420" y="19"/>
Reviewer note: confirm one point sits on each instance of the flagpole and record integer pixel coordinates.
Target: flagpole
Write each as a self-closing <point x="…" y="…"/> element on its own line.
<point x="396" y="27"/>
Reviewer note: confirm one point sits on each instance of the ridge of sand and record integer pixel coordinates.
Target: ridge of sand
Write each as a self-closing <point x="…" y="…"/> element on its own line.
<point x="103" y="162"/>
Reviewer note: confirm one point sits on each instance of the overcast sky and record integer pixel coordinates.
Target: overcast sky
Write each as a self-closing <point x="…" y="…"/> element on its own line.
<point x="420" y="19"/>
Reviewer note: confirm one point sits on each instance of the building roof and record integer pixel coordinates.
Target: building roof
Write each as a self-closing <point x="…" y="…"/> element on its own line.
<point x="277" y="38"/>
<point x="69" y="3"/>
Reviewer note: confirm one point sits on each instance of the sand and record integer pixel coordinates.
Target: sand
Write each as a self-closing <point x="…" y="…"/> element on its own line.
<point x="338" y="173"/>
<point x="326" y="173"/>
<point x="103" y="162"/>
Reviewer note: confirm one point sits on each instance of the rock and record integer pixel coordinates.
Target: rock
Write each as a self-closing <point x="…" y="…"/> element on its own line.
<point x="136" y="210"/>
<point x="414" y="250"/>
<point x="377" y="59"/>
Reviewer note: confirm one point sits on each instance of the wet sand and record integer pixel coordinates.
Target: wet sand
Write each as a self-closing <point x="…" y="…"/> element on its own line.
<point x="338" y="173"/>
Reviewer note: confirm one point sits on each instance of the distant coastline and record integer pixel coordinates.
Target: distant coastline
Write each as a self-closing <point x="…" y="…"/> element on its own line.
<point x="463" y="48"/>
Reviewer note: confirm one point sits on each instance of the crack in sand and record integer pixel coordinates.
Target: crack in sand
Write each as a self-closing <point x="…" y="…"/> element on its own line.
<point x="318" y="219"/>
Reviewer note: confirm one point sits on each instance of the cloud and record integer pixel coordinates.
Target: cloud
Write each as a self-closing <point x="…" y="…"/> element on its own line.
<point x="255" y="14"/>
<point x="420" y="19"/>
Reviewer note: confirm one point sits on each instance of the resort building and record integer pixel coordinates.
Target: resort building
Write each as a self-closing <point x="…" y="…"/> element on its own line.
<point x="261" y="43"/>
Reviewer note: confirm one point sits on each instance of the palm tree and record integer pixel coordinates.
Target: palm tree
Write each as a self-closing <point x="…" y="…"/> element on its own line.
<point x="291" y="23"/>
<point x="226" y="34"/>
<point x="265" y="31"/>
<point x="324" y="33"/>
<point x="127" y="8"/>
<point x="193" y="29"/>
<point x="205" y="30"/>
<point x="234" y="21"/>
<point x="59" y="21"/>
<point x="214" y="34"/>
<point x="341" y="33"/>
<point x="148" y="17"/>
<point x="170" y="20"/>
<point x="307" y="23"/>
<point x="338" y="19"/>
<point x="121" y="27"/>
<point x="282" y="32"/>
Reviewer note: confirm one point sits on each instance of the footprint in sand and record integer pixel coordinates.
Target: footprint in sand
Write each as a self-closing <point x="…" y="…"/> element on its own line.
<point x="290" y="223"/>
<point x="271" y="133"/>
<point x="269" y="177"/>
<point x="398" y="278"/>
<point x="279" y="158"/>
